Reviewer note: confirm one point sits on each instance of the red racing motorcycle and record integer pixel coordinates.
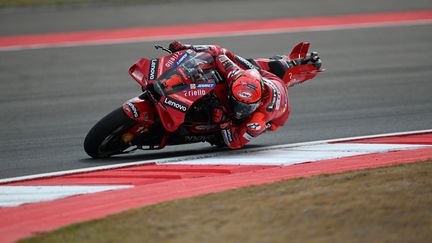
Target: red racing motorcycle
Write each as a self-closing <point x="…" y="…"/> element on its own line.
<point x="180" y="91"/>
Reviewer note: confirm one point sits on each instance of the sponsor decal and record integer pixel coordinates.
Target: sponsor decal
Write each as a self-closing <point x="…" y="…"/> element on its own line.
<point x="276" y="96"/>
<point x="182" y="58"/>
<point x="245" y="62"/>
<point x="223" y="58"/>
<point x="232" y="73"/>
<point x="201" y="48"/>
<point x="227" y="136"/>
<point x="226" y="62"/>
<point x="254" y="126"/>
<point x="205" y="85"/>
<point x="194" y="92"/>
<point x="278" y="101"/>
<point x="205" y="127"/>
<point x="251" y="87"/>
<point x="133" y="109"/>
<point x="172" y="59"/>
<point x="199" y="138"/>
<point x="192" y="86"/>
<point x="153" y="69"/>
<point x="247" y="136"/>
<point x="244" y="94"/>
<point x="175" y="104"/>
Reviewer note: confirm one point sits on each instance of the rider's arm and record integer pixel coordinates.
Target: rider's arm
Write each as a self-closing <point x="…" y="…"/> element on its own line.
<point x="215" y="50"/>
<point x="237" y="136"/>
<point x="279" y="64"/>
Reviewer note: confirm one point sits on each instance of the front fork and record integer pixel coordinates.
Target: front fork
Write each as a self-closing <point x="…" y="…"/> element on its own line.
<point x="143" y="112"/>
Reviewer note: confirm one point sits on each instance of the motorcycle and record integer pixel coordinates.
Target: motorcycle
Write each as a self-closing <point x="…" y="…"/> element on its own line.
<point x="180" y="90"/>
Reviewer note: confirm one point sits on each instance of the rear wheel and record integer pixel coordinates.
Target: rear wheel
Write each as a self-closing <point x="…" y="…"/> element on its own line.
<point x="105" y="138"/>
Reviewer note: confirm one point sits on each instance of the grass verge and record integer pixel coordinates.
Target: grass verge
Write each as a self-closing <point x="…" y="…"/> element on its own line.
<point x="392" y="204"/>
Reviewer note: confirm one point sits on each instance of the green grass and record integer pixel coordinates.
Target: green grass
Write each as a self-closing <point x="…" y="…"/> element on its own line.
<point x="390" y="204"/>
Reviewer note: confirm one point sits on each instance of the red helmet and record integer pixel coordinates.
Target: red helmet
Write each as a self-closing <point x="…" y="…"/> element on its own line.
<point x="246" y="93"/>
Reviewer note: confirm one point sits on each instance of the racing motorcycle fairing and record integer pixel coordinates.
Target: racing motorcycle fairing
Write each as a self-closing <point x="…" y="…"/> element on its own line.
<point x="176" y="82"/>
<point x="146" y="71"/>
<point x="140" y="110"/>
<point x="190" y="78"/>
<point x="141" y="69"/>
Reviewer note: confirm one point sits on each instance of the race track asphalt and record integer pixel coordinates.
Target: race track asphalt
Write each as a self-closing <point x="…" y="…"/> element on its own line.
<point x="378" y="80"/>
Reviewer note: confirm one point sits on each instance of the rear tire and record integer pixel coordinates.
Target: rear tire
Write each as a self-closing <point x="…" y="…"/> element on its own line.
<point x="104" y="139"/>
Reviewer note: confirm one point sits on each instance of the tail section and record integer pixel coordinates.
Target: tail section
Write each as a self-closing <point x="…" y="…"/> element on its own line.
<point x="294" y="68"/>
<point x="298" y="74"/>
<point x="299" y="51"/>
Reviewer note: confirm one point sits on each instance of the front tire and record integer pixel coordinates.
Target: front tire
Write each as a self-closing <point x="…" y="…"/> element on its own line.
<point x="105" y="138"/>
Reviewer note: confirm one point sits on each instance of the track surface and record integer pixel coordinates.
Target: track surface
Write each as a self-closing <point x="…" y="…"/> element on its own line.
<point x="378" y="80"/>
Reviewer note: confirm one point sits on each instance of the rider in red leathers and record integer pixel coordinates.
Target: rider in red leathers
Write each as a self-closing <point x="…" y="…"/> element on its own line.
<point x="257" y="95"/>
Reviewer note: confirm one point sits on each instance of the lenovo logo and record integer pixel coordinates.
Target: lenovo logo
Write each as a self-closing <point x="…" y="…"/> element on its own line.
<point x="153" y="69"/>
<point x="175" y="104"/>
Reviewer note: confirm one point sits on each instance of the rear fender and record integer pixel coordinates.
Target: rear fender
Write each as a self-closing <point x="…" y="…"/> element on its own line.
<point x="140" y="110"/>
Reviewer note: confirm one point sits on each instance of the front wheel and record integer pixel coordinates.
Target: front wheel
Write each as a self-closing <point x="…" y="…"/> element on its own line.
<point x="105" y="138"/>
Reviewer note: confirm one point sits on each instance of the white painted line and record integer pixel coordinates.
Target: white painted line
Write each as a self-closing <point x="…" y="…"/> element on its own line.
<point x="202" y="156"/>
<point x="11" y="196"/>
<point x="300" y="154"/>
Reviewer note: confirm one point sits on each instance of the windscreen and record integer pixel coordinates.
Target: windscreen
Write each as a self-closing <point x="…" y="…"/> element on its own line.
<point x="194" y="69"/>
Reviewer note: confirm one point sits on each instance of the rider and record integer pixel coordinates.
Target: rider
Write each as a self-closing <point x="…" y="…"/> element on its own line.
<point x="257" y="96"/>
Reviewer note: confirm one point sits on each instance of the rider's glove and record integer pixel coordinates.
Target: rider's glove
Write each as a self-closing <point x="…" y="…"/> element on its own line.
<point x="226" y="125"/>
<point x="230" y="135"/>
<point x="176" y="46"/>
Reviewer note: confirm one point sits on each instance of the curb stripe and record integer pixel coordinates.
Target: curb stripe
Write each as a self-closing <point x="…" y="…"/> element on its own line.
<point x="209" y="155"/>
<point x="22" y="221"/>
<point x="131" y="35"/>
<point x="422" y="138"/>
<point x="159" y="182"/>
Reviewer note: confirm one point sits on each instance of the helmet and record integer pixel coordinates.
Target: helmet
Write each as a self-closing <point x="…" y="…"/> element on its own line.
<point x="245" y="93"/>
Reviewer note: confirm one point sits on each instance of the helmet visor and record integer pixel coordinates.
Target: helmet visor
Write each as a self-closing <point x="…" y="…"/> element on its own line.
<point x="242" y="110"/>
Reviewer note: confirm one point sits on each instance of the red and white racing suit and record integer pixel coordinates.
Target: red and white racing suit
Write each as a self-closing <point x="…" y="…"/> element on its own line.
<point x="274" y="109"/>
